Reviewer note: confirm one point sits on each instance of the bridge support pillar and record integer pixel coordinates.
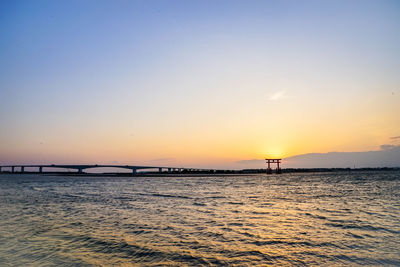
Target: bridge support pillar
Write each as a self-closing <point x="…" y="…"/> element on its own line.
<point x="169" y="169"/>
<point x="278" y="170"/>
<point x="22" y="169"/>
<point x="134" y="171"/>
<point x="159" y="169"/>
<point x="12" y="169"/>
<point x="80" y="170"/>
<point x="40" y="169"/>
<point x="0" y="168"/>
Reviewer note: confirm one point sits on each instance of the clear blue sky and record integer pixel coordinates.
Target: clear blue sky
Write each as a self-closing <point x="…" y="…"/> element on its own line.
<point x="196" y="81"/>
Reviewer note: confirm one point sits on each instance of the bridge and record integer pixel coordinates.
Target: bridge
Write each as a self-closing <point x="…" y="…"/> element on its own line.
<point x="80" y="168"/>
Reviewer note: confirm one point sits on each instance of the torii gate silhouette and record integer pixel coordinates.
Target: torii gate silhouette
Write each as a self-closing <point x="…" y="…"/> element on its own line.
<point x="277" y="161"/>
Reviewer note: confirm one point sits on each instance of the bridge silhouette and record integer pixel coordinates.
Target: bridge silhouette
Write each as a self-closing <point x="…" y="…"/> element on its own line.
<point x="80" y="168"/>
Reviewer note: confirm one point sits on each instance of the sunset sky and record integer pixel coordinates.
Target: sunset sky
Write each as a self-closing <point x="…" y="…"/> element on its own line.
<point x="196" y="83"/>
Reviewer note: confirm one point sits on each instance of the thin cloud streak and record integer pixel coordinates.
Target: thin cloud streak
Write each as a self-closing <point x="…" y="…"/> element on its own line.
<point x="277" y="95"/>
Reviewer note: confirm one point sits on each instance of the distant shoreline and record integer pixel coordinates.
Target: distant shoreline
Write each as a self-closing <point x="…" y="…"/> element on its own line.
<point x="205" y="173"/>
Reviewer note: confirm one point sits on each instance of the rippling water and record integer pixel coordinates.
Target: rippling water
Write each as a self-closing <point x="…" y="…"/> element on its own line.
<point x="290" y="219"/>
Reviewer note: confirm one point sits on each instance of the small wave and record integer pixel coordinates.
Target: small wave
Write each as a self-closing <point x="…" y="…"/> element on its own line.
<point x="248" y="234"/>
<point x="234" y="203"/>
<point x="235" y="224"/>
<point x="123" y="198"/>
<point x="263" y="256"/>
<point x="166" y="195"/>
<point x="316" y="216"/>
<point x="199" y="204"/>
<point x="294" y="243"/>
<point x="361" y="227"/>
<point x="355" y="236"/>
<point x="260" y="212"/>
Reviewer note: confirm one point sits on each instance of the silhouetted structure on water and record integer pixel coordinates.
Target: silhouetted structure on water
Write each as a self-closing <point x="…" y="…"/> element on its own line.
<point x="277" y="161"/>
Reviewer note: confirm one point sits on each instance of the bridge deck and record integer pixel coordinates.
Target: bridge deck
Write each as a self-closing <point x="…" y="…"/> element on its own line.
<point x="81" y="167"/>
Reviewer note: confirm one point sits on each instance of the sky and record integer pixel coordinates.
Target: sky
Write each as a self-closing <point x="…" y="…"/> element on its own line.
<point x="210" y="84"/>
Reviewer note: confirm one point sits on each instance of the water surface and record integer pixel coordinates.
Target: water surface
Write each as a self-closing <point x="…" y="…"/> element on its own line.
<point x="290" y="219"/>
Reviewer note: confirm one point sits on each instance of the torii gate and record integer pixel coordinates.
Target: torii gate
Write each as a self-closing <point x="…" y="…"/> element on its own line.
<point x="277" y="161"/>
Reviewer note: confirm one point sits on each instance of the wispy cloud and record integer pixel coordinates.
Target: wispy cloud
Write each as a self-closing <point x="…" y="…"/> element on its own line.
<point x="386" y="156"/>
<point x="277" y="95"/>
<point x="395" y="137"/>
<point x="387" y="147"/>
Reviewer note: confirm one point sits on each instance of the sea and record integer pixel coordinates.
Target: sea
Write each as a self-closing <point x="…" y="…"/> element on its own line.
<point x="299" y="219"/>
